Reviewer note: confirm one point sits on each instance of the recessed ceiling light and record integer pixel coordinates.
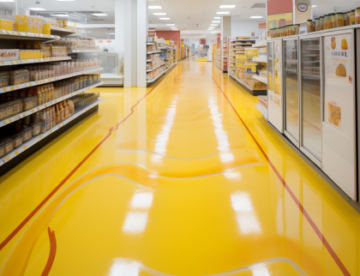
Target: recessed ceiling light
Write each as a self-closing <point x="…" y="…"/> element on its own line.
<point x="154" y="7"/>
<point x="227" y="6"/>
<point x="215" y="21"/>
<point x="170" y="24"/>
<point x="174" y="29"/>
<point x="100" y="14"/>
<point x="222" y="12"/>
<point x="210" y="29"/>
<point x="60" y="14"/>
<point x="164" y="18"/>
<point x="213" y="25"/>
<point x="217" y="17"/>
<point x="314" y="6"/>
<point x="7" y="0"/>
<point x="37" y="9"/>
<point x="255" y="16"/>
<point x="159" y="13"/>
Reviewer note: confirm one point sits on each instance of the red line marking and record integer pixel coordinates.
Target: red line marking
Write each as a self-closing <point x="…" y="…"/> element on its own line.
<point x="297" y="202"/>
<point x="52" y="253"/>
<point x="42" y="203"/>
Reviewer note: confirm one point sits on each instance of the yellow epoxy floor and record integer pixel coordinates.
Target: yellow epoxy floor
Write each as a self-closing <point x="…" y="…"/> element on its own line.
<point x="176" y="185"/>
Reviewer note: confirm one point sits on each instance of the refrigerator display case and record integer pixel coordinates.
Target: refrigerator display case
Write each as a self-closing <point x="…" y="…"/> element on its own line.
<point x="275" y="84"/>
<point x="313" y="101"/>
<point x="291" y="90"/>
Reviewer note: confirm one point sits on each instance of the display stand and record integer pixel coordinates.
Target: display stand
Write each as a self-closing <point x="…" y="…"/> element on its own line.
<point x="10" y="159"/>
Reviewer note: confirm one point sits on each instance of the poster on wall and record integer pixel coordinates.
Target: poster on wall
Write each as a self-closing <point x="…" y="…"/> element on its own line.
<point x="302" y="5"/>
<point x="339" y="112"/>
<point x="280" y="20"/>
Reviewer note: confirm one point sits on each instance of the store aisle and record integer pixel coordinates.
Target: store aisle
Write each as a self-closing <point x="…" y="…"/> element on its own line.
<point x="182" y="178"/>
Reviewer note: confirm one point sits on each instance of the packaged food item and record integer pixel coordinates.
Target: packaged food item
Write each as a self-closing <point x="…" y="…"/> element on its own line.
<point x="27" y="134"/>
<point x="2" y="148"/>
<point x="321" y="23"/>
<point x="46" y="27"/>
<point x="297" y="28"/>
<point x="22" y="23"/>
<point x="347" y="18"/>
<point x="43" y="123"/>
<point x="326" y="21"/>
<point x="19" y="76"/>
<point x="9" y="54"/>
<point x="36" y="129"/>
<point x="5" y="110"/>
<point x="340" y="20"/>
<point x="9" y="145"/>
<point x="357" y="15"/>
<point x="310" y="25"/>
<point x="4" y="79"/>
<point x="286" y="30"/>
<point x="352" y="17"/>
<point x="317" y="24"/>
<point x="29" y="102"/>
<point x="16" y="106"/>
<point x="17" y="140"/>
<point x="332" y="21"/>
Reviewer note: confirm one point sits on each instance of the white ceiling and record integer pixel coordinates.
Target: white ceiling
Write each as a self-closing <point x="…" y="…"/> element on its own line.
<point x="185" y="14"/>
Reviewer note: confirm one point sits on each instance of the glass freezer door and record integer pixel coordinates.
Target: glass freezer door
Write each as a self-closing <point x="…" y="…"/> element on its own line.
<point x="292" y="129"/>
<point x="311" y="119"/>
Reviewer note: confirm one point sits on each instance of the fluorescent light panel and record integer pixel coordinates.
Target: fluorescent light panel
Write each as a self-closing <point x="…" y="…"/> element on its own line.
<point x="170" y="24"/>
<point x="227" y="6"/>
<point x="215" y="21"/>
<point x="100" y="14"/>
<point x="164" y="18"/>
<point x="159" y="13"/>
<point x="314" y="6"/>
<point x="255" y="16"/>
<point x="154" y="7"/>
<point x="7" y="1"/>
<point x="213" y="25"/>
<point x="217" y="17"/>
<point x="37" y="9"/>
<point x="60" y="15"/>
<point x="222" y="12"/>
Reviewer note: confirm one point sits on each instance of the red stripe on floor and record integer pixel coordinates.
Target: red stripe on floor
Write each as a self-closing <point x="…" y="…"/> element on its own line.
<point x="52" y="253"/>
<point x="23" y="223"/>
<point x="297" y="202"/>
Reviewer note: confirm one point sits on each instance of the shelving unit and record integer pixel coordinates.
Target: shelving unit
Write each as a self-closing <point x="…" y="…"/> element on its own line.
<point x="167" y="55"/>
<point x="18" y="154"/>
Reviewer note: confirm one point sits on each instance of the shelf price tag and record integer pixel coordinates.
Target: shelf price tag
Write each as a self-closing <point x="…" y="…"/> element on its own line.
<point x="13" y="62"/>
<point x="17" y="152"/>
<point x="40" y="137"/>
<point x="11" y="88"/>
<point x="17" y="86"/>
<point x="25" y="147"/>
<point x="8" y="158"/>
<point x="2" y="63"/>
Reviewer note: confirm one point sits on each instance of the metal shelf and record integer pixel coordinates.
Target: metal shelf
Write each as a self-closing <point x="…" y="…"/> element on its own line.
<point x="35" y="83"/>
<point x="151" y="81"/>
<point x="262" y="79"/>
<point x="26" y="36"/>
<point x="29" y="61"/>
<point x="9" y="156"/>
<point x="26" y="113"/>
<point x="61" y="31"/>
<point x="82" y="51"/>
<point x="155" y="68"/>
<point x="153" y="52"/>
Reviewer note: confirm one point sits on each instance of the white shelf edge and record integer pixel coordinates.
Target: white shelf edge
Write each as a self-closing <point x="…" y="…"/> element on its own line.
<point x="259" y="45"/>
<point x="16" y="34"/>
<point x="49" y="80"/>
<point x="261" y="79"/>
<point x="6" y="158"/>
<point x="155" y="67"/>
<point x="153" y="52"/>
<point x="83" y="51"/>
<point x="259" y="60"/>
<point x="26" y="113"/>
<point x="30" y="61"/>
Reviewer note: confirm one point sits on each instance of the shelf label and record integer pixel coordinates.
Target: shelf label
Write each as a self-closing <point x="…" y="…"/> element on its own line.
<point x="8" y="158"/>
<point x="6" y="122"/>
<point x="24" y="114"/>
<point x="16" y="117"/>
<point x="17" y="152"/>
<point x="2" y="63"/>
<point x="17" y="86"/>
<point x="13" y="62"/>
<point x="25" y="147"/>
<point x="45" y="105"/>
<point x="11" y="88"/>
<point x="5" y="89"/>
<point x="40" y="137"/>
<point x="50" y="130"/>
<point x="12" y="32"/>
<point x="32" y="111"/>
<point x="38" y="108"/>
<point x="25" y="60"/>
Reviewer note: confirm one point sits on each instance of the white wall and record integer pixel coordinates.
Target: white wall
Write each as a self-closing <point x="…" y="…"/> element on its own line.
<point x="245" y="28"/>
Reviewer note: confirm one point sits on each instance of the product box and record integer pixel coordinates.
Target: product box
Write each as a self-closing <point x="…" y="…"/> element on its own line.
<point x="9" y="54"/>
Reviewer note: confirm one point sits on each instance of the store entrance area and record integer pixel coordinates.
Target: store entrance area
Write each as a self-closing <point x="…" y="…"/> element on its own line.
<point x="183" y="177"/>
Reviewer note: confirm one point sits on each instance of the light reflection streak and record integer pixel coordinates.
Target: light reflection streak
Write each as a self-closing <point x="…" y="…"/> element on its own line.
<point x="220" y="133"/>
<point x="245" y="214"/>
<point x="124" y="267"/>
<point x="261" y="271"/>
<point x="135" y="222"/>
<point x="142" y="200"/>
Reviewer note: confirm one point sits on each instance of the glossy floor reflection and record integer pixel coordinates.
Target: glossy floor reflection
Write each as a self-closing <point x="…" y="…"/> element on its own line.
<point x="178" y="184"/>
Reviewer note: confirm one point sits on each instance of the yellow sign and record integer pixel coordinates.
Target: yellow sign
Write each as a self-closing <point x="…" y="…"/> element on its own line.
<point x="279" y="20"/>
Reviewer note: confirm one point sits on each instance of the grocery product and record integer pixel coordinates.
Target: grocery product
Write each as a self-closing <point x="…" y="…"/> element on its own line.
<point x="4" y="79"/>
<point x="352" y="17"/>
<point x="326" y="22"/>
<point x="317" y="24"/>
<point x="9" y="145"/>
<point x="2" y="148"/>
<point x="321" y="23"/>
<point x="9" y="54"/>
<point x="332" y="20"/>
<point x="27" y="133"/>
<point x="310" y="26"/>
<point x="347" y="18"/>
<point x="46" y="27"/>
<point x="6" y="23"/>
<point x="36" y="129"/>
<point x="17" y="140"/>
<point x="357" y="15"/>
<point x="339" y="20"/>
<point x="19" y="76"/>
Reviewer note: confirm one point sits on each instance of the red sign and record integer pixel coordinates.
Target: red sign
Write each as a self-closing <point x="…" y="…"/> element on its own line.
<point x="202" y="41"/>
<point x="302" y="7"/>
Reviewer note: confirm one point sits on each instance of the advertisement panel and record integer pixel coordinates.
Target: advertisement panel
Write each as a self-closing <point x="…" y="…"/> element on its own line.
<point x="339" y="111"/>
<point x="279" y="20"/>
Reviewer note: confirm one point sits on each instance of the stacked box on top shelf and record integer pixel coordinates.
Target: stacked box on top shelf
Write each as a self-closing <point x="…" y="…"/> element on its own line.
<point x="225" y="54"/>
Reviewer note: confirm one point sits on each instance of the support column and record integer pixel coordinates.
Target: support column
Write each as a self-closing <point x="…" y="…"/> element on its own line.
<point x="119" y="25"/>
<point x="142" y="29"/>
<point x="225" y="27"/>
